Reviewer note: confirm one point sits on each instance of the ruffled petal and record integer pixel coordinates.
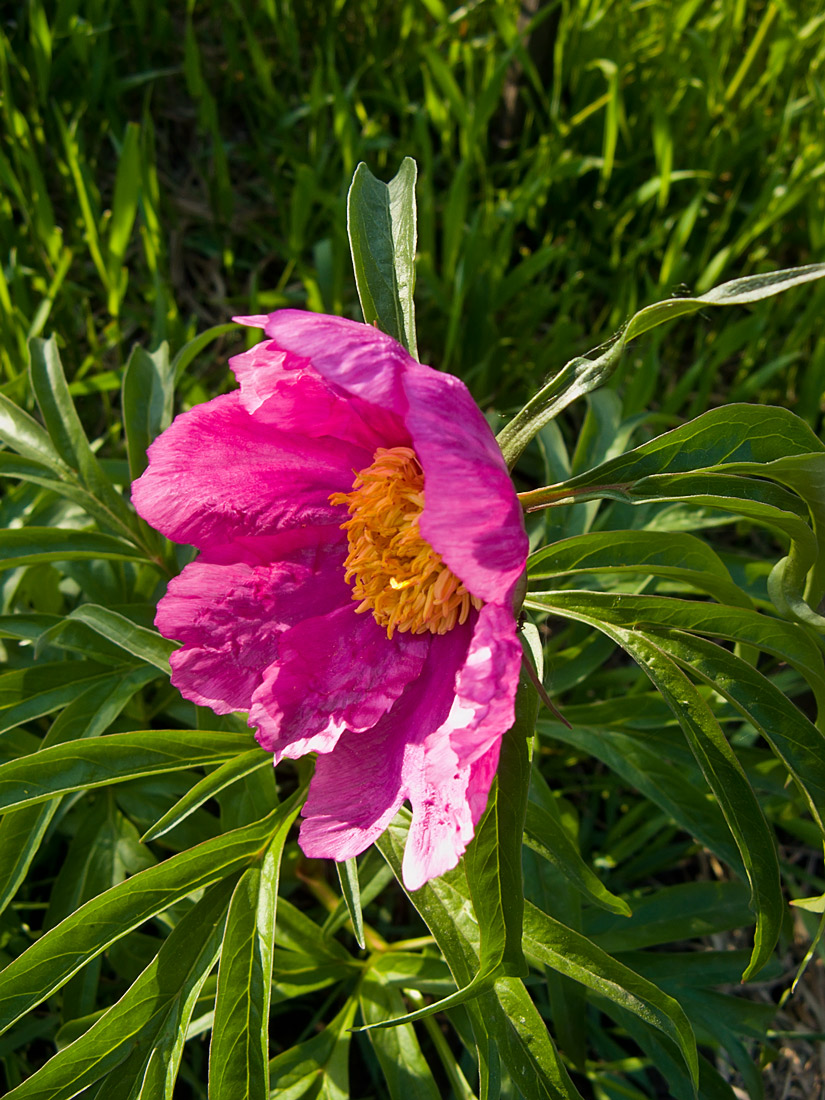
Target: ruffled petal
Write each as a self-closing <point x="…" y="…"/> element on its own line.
<point x="448" y="788"/>
<point x="362" y="360"/>
<point x="486" y="685"/>
<point x="286" y="391"/>
<point x="230" y="608"/>
<point x="447" y="803"/>
<point x="217" y="474"/>
<point x="437" y="747"/>
<point x="336" y="673"/>
<point x="357" y="789"/>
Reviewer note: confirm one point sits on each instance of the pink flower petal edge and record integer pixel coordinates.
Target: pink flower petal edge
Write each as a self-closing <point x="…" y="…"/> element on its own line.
<point x="267" y="621"/>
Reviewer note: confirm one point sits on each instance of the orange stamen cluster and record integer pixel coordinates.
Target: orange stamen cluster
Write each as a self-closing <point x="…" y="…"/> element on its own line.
<point x="394" y="573"/>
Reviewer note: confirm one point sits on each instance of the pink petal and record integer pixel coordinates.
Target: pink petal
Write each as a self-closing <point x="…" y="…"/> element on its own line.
<point x="217" y="474"/>
<point x="357" y="789"/>
<point x="485" y="690"/>
<point x="360" y="359"/>
<point x="230" y="614"/>
<point x="286" y="391"/>
<point x="336" y="673"/>
<point x="437" y="747"/>
<point x="464" y="472"/>
<point x="447" y="802"/>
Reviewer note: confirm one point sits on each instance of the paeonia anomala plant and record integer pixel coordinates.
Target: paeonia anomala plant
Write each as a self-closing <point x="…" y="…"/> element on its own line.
<point x="374" y="593"/>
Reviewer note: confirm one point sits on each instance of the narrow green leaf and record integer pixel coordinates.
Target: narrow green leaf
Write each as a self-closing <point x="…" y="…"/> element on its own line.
<point x="725" y="777"/>
<point x="34" y="545"/>
<point x="151" y="1015"/>
<point x="785" y="641"/>
<point x="89" y="715"/>
<point x="114" y="758"/>
<point x="381" y="222"/>
<point x="317" y="1069"/>
<point x="351" y="889"/>
<point x="81" y="937"/>
<point x="66" y="432"/>
<point x="493" y="866"/>
<point x="671" y="915"/>
<point x="659" y="764"/>
<point x="581" y="375"/>
<point x="124" y="201"/>
<point x="574" y="955"/>
<point x="147" y="645"/>
<point x="524" y="1043"/>
<point x="505" y="1021"/>
<point x="405" y="1069"/>
<point x="195" y="346"/>
<point x="493" y="859"/>
<point x="23" y="434"/>
<point x="59" y="414"/>
<point x="233" y="770"/>
<point x="792" y="736"/>
<point x="147" y="396"/>
<point x="674" y="556"/>
<point x="28" y="693"/>
<point x="239" y="1052"/>
<point x="545" y="834"/>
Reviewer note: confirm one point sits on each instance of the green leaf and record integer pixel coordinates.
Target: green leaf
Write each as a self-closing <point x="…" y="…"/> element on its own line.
<point x="381" y="222"/>
<point x="28" y="693"/>
<point x="505" y="1021"/>
<point x="704" y="462"/>
<point x="62" y="422"/>
<point x="545" y="834"/>
<point x="574" y="955"/>
<point x="672" y="914"/>
<point x="147" y="396"/>
<point x="64" y="950"/>
<point x="195" y="346"/>
<point x="792" y="736"/>
<point x="88" y="715"/>
<point x="785" y="641"/>
<point x="151" y="1016"/>
<point x="67" y="435"/>
<point x="493" y="859"/>
<point x="124" y="205"/>
<point x="239" y="1052"/>
<point x="351" y="889"/>
<point x="404" y="1067"/>
<point x="724" y="775"/>
<point x="34" y="545"/>
<point x="23" y="434"/>
<point x="674" y="556"/>
<point x="114" y="758"/>
<point x="317" y="1069"/>
<point x="493" y="865"/>
<point x="524" y="1044"/>
<point x="581" y="375"/>
<point x="103" y="852"/>
<point x="660" y="766"/>
<point x="147" y="645"/>
<point x="235" y="769"/>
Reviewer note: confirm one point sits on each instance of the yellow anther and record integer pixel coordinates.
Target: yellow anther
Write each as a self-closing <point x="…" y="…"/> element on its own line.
<point x="394" y="572"/>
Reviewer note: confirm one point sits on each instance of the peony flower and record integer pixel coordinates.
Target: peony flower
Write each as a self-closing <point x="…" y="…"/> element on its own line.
<point x="360" y="549"/>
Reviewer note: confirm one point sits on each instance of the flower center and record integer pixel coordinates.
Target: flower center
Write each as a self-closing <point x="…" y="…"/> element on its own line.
<point x="394" y="572"/>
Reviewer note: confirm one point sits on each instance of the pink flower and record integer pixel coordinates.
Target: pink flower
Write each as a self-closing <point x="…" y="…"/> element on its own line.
<point x="361" y="544"/>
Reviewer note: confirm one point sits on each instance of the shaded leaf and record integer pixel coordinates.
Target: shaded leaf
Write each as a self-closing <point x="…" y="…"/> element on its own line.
<point x="381" y="222"/>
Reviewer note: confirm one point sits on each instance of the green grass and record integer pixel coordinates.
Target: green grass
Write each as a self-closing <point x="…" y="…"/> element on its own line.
<point x="160" y="170"/>
<point x="165" y="166"/>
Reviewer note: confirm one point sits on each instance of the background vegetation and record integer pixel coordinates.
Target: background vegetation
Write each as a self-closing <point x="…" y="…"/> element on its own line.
<point x="165" y="166"/>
